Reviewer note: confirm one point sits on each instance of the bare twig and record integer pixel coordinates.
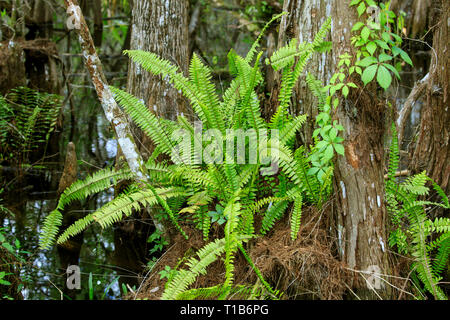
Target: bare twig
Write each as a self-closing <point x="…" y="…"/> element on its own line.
<point x="416" y="92"/>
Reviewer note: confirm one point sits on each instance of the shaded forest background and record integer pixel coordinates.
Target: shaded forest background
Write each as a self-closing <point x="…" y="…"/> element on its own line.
<point x="39" y="52"/>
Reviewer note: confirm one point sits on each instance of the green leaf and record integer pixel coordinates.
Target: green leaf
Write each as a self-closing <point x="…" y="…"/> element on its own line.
<point x="8" y="247"/>
<point x="367" y="61"/>
<point x="328" y="153"/>
<point x="332" y="134"/>
<point x="406" y="58"/>
<point x="361" y="8"/>
<point x="382" y="44"/>
<point x="354" y="2"/>
<point x="339" y="149"/>
<point x="392" y="69"/>
<point x="369" y="74"/>
<point x="371" y="47"/>
<point x="386" y="37"/>
<point x="365" y="33"/>
<point x="384" y="78"/>
<point x="345" y="91"/>
<point x="357" y="26"/>
<point x="384" y="57"/>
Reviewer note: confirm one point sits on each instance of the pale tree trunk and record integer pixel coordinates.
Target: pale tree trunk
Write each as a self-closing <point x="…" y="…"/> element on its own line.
<point x="432" y="150"/>
<point x="160" y="27"/>
<point x="360" y="209"/>
<point x="302" y="23"/>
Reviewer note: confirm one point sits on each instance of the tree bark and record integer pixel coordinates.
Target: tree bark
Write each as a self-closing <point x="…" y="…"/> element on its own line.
<point x="358" y="178"/>
<point x="160" y="27"/>
<point x="302" y="23"/>
<point x="432" y="151"/>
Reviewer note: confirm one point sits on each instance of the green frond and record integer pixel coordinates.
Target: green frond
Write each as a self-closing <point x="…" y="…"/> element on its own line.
<point x="442" y="256"/>
<point x="197" y="266"/>
<point x="231" y="212"/>
<point x="76" y="228"/>
<point x="124" y="204"/>
<point x="289" y="131"/>
<point x="274" y="294"/>
<point x="146" y="120"/>
<point x="316" y="87"/>
<point x="296" y="217"/>
<point x="158" y="66"/>
<point x="310" y="183"/>
<point x="252" y="51"/>
<point x="416" y="184"/>
<point x="200" y="77"/>
<point x="273" y="213"/>
<point x="50" y="229"/>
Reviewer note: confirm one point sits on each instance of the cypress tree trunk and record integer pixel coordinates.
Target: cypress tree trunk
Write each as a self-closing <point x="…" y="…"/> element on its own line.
<point x="432" y="151"/>
<point x="160" y="27"/>
<point x="358" y="179"/>
<point x="302" y="23"/>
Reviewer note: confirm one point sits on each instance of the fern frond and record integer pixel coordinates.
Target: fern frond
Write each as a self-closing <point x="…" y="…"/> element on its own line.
<point x="76" y="228"/>
<point x="158" y="66"/>
<point x="125" y="204"/>
<point x="289" y="131"/>
<point x="146" y="120"/>
<point x="50" y="229"/>
<point x="275" y="294"/>
<point x="200" y="77"/>
<point x="272" y="214"/>
<point x="184" y="278"/>
<point x="296" y="217"/>
<point x="252" y="51"/>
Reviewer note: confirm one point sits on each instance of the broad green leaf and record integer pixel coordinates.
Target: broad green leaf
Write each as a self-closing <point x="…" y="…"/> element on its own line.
<point x="328" y="153"/>
<point x="361" y="8"/>
<point x="371" y="47"/>
<point x="382" y="44"/>
<point x="384" y="78"/>
<point x="392" y="69"/>
<point x="406" y="58"/>
<point x="8" y="247"/>
<point x="339" y="149"/>
<point x="357" y="26"/>
<point x="369" y="74"/>
<point x="384" y="57"/>
<point x="345" y="91"/>
<point x="332" y="134"/>
<point x="365" y="33"/>
<point x="367" y="61"/>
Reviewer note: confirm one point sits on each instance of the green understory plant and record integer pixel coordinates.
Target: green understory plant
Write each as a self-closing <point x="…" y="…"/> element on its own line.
<point x="413" y="232"/>
<point x="191" y="190"/>
<point x="27" y="118"/>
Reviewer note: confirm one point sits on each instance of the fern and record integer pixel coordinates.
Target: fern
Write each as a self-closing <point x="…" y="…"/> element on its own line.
<point x="206" y="255"/>
<point x="272" y="214"/>
<point x="296" y="217"/>
<point x="403" y="204"/>
<point x="27" y="118"/>
<point x="187" y="190"/>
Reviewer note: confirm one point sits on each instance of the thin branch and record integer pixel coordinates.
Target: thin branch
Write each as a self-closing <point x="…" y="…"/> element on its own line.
<point x="416" y="92"/>
<point x="113" y="113"/>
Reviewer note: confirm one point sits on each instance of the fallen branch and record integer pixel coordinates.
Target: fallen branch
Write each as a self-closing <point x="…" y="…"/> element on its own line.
<point x="399" y="174"/>
<point x="113" y="113"/>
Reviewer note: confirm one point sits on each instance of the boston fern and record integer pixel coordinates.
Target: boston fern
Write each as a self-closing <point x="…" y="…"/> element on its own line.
<point x="27" y="118"/>
<point x="413" y="232"/>
<point x="190" y="188"/>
